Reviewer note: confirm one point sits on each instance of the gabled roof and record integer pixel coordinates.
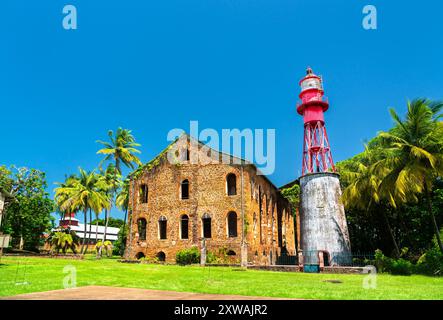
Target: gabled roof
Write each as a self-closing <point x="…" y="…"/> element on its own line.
<point x="157" y="160"/>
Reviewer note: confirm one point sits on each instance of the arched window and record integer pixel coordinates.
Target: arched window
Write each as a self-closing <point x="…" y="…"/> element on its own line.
<point x="143" y="193"/>
<point x="206" y="222"/>
<point x="139" y="255"/>
<point x="185" y="189"/>
<point x="231" y="253"/>
<point x="232" y="224"/>
<point x="141" y="225"/>
<point x="162" y="227"/>
<point x="161" y="256"/>
<point x="231" y="182"/>
<point x="184" y="227"/>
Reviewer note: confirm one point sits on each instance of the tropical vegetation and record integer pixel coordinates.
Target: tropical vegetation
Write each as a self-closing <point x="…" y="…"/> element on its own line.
<point x="27" y="213"/>
<point x="393" y="191"/>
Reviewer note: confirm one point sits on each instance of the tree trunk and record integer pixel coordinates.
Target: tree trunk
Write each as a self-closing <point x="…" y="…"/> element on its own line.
<point x="106" y="224"/>
<point x="90" y="229"/>
<point x="22" y="243"/>
<point x="98" y="254"/>
<point x="85" y="212"/>
<point x="124" y="234"/>
<point x="96" y="230"/>
<point x="397" y="251"/>
<point x="434" y="222"/>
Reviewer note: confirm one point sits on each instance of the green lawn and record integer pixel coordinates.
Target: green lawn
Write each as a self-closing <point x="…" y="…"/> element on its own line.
<point x="23" y="275"/>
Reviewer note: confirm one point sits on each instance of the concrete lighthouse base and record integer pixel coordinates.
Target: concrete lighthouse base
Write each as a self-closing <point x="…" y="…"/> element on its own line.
<point x="323" y="228"/>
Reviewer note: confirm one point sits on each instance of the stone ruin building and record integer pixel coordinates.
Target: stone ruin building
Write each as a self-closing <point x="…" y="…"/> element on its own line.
<point x="224" y="209"/>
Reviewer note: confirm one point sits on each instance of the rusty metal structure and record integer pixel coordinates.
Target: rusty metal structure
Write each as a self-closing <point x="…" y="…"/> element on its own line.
<point x="324" y="234"/>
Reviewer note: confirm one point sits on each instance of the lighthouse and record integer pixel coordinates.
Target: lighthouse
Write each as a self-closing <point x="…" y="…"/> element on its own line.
<point x="324" y="237"/>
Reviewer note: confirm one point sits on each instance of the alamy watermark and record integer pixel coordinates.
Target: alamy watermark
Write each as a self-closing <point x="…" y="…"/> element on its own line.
<point x="231" y="147"/>
<point x="69" y="21"/>
<point x="370" y="19"/>
<point x="70" y="280"/>
<point x="370" y="281"/>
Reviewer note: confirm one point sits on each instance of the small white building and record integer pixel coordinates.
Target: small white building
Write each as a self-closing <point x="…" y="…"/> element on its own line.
<point x="73" y="223"/>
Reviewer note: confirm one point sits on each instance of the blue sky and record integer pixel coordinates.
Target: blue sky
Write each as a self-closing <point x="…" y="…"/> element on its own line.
<point x="152" y="66"/>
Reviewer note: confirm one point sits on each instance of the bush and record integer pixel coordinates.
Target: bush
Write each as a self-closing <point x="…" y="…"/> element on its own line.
<point x="393" y="266"/>
<point x="382" y="262"/>
<point x="211" y="257"/>
<point x="401" y="267"/>
<point x="430" y="263"/>
<point x="188" y="256"/>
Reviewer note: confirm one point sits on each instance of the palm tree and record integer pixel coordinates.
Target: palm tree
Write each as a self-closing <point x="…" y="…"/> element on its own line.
<point x="122" y="202"/>
<point x="416" y="147"/>
<point x="121" y="149"/>
<point x="108" y="181"/>
<point x="363" y="187"/>
<point x="86" y="195"/>
<point x="63" y="239"/>
<point x="62" y="194"/>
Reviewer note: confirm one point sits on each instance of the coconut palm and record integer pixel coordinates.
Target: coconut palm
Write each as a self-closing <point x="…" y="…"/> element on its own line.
<point x="122" y="202"/>
<point x="416" y="147"/>
<point x="362" y="190"/>
<point x="120" y="149"/>
<point x="63" y="239"/>
<point x="109" y="181"/>
<point x="85" y="194"/>
<point x="62" y="194"/>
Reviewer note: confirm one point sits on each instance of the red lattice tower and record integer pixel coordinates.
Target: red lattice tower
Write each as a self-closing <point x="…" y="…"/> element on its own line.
<point x="317" y="156"/>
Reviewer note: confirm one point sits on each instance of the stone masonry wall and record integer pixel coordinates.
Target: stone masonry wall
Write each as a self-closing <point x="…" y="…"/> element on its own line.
<point x="208" y="195"/>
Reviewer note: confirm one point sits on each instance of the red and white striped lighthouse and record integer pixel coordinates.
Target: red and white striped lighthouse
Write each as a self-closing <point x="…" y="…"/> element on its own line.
<point x="324" y="232"/>
<point x="317" y="156"/>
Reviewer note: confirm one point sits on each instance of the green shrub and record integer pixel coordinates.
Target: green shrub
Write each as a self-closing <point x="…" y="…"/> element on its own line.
<point x="401" y="267"/>
<point x="393" y="266"/>
<point x="188" y="256"/>
<point x="212" y="258"/>
<point x="430" y="263"/>
<point x="382" y="262"/>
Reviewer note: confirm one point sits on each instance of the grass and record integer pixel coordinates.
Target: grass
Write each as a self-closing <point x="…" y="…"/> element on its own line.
<point x="33" y="274"/>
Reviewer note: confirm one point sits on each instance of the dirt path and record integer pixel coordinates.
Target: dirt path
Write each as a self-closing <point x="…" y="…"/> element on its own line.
<point x="116" y="293"/>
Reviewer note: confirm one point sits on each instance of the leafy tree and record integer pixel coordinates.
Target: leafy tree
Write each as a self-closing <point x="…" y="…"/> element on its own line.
<point x="120" y="244"/>
<point x="6" y="182"/>
<point x="29" y="215"/>
<point x="293" y="195"/>
<point x="113" y="222"/>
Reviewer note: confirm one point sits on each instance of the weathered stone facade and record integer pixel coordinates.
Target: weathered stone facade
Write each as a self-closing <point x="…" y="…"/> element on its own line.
<point x="249" y="219"/>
